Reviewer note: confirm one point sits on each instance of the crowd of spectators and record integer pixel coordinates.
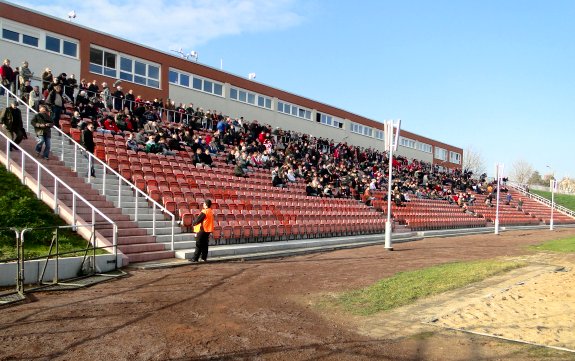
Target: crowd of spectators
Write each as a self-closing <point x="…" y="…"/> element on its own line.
<point x="327" y="168"/>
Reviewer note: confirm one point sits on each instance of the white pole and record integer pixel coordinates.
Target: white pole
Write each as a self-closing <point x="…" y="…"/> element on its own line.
<point x="497" y="209"/>
<point x="389" y="146"/>
<point x="552" y="203"/>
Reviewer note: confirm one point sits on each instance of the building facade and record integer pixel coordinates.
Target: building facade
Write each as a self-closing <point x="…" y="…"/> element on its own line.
<point x="48" y="42"/>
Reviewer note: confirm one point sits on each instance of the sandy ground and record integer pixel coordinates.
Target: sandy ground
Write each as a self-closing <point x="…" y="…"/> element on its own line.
<point x="539" y="308"/>
<point x="267" y="310"/>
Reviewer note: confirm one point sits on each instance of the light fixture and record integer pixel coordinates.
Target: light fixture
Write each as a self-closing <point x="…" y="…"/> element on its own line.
<point x="180" y="51"/>
<point x="71" y="15"/>
<point x="194" y="55"/>
<point x="251" y="76"/>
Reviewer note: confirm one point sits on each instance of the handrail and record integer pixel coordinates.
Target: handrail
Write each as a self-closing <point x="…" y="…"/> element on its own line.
<point x="57" y="181"/>
<point x="540" y="199"/>
<point x="107" y="168"/>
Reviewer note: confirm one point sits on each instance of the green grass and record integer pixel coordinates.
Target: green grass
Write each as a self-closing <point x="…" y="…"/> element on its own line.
<point x="407" y="287"/>
<point x="565" y="245"/>
<point x="566" y="200"/>
<point x="20" y="208"/>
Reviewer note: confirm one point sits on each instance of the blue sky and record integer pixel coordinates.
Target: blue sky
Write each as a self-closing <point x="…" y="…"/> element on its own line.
<point x="493" y="75"/>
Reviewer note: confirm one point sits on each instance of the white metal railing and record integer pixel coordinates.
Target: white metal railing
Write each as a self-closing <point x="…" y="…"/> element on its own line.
<point x="92" y="159"/>
<point x="57" y="183"/>
<point x="547" y="202"/>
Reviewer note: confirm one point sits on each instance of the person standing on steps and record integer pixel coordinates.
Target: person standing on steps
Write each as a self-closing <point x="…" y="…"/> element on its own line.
<point x="12" y="120"/>
<point x="88" y="142"/>
<point x="43" y="126"/>
<point x="203" y="227"/>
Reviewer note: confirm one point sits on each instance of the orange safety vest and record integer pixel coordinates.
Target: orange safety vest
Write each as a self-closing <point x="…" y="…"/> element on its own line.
<point x="208" y="223"/>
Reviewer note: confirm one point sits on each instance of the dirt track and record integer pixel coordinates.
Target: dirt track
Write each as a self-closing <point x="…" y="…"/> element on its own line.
<point x="255" y="310"/>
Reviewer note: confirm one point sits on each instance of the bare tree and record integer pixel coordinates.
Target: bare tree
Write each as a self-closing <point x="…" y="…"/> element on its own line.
<point x="521" y="171"/>
<point x="473" y="161"/>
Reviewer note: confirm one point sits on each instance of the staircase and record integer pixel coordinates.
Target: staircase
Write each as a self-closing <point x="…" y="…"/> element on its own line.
<point x="138" y="241"/>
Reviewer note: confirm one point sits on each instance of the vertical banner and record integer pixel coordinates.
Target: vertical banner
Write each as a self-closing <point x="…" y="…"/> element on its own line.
<point x="553" y="185"/>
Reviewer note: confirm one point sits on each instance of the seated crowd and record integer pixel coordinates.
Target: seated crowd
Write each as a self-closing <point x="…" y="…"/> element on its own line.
<point x="328" y="169"/>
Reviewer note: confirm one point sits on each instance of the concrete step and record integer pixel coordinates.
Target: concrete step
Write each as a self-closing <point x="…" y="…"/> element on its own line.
<point x="181" y="245"/>
<point x="136" y="239"/>
<point x="141" y="248"/>
<point x="130" y="211"/>
<point x="179" y="237"/>
<point x="149" y="256"/>
<point x="159" y="224"/>
<point x="164" y="231"/>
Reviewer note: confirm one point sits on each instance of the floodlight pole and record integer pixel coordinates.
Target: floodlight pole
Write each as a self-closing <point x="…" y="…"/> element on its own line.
<point x="553" y="184"/>
<point x="388" y="245"/>
<point x="498" y="171"/>
<point x="390" y="144"/>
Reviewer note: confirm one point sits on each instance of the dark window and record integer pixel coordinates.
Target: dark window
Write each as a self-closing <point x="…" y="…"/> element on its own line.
<point x="126" y="76"/>
<point x="153" y="83"/>
<point x="126" y="64"/>
<point x="208" y="86"/>
<point x="70" y="49"/>
<point x="139" y="80"/>
<point x="173" y="77"/>
<point x="197" y="84"/>
<point x="52" y="44"/>
<point x="110" y="60"/>
<point x="96" y="56"/>
<point x="153" y="72"/>
<point x="10" y="35"/>
<point x="218" y="89"/>
<point x="30" y="40"/>
<point x="140" y="68"/>
<point x="184" y="80"/>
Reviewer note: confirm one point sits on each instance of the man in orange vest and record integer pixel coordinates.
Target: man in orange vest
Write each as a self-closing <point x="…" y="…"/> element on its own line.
<point x="203" y="227"/>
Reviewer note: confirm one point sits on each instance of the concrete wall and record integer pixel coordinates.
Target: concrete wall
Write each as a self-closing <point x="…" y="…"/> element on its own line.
<point x="67" y="268"/>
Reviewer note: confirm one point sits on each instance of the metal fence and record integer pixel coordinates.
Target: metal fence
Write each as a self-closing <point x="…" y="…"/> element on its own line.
<point x="58" y="265"/>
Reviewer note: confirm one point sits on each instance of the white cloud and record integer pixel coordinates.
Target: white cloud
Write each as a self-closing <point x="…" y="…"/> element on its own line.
<point x="164" y="24"/>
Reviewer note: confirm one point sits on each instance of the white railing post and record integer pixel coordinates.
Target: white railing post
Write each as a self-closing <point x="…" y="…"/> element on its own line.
<point x="74" y="211"/>
<point x="136" y="207"/>
<point x="173" y="226"/>
<point x="23" y="168"/>
<point x="75" y="158"/>
<point x="115" y="242"/>
<point x="154" y="220"/>
<point x="104" y="181"/>
<point x="38" y="178"/>
<point x="89" y="169"/>
<point x="56" y="207"/>
<point x="119" y="193"/>
<point x="62" y="148"/>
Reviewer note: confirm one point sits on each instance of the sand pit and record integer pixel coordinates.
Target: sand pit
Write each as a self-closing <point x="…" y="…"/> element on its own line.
<point x="538" y="310"/>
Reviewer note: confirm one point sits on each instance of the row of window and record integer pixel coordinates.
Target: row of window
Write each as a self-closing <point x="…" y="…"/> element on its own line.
<point x="413" y="144"/>
<point x="251" y="98"/>
<point x="329" y="120"/>
<point x="116" y="65"/>
<point x="196" y="83"/>
<point x="442" y="154"/>
<point x="44" y="41"/>
<point x="361" y="129"/>
<point x="294" y="110"/>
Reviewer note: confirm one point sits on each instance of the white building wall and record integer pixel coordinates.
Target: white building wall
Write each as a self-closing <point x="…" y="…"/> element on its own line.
<point x="38" y="58"/>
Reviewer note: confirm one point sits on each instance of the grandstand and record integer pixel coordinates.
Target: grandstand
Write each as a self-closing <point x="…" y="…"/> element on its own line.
<point x="149" y="199"/>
